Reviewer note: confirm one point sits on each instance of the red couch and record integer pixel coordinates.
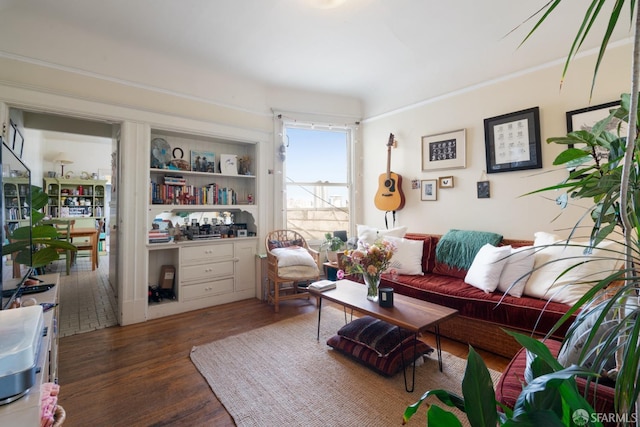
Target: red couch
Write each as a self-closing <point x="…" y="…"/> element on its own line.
<point x="482" y="316"/>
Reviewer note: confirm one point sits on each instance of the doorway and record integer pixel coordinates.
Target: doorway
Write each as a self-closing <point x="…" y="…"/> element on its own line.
<point x="70" y="152"/>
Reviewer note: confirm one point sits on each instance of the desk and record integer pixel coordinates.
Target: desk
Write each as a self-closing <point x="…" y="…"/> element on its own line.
<point x="92" y="234"/>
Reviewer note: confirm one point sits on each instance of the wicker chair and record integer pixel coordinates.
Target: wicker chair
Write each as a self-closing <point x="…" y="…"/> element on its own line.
<point x="287" y="281"/>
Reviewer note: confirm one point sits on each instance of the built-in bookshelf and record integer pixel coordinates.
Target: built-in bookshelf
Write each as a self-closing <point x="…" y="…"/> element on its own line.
<point x="201" y="219"/>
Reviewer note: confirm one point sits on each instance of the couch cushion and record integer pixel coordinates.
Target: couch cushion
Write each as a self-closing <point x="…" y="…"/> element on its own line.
<point x="407" y="259"/>
<point x="429" y="243"/>
<point x="573" y="346"/>
<point x="487" y="267"/>
<point x="555" y="278"/>
<point x="513" y="313"/>
<point x="517" y="270"/>
<point x="368" y="235"/>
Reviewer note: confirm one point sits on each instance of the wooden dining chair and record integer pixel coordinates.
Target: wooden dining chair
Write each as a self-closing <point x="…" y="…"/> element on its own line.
<point x="290" y="264"/>
<point x="86" y="244"/>
<point x="64" y="230"/>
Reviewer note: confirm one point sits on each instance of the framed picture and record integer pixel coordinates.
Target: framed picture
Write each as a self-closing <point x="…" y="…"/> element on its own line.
<point x="484" y="190"/>
<point x="445" y="182"/>
<point x="203" y="161"/>
<point x="444" y="151"/>
<point x="585" y="118"/>
<point x="429" y="189"/>
<point x="512" y="141"/>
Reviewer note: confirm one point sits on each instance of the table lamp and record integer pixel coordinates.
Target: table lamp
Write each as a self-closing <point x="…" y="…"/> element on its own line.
<point x="63" y="162"/>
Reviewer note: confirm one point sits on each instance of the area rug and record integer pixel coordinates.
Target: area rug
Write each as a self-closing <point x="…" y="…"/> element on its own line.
<point x="281" y="375"/>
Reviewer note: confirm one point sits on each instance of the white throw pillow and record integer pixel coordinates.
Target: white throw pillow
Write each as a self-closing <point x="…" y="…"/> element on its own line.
<point x="407" y="259"/>
<point x="368" y="235"/>
<point x="542" y="238"/>
<point x="487" y="266"/>
<point x="517" y="270"/>
<point x="552" y="261"/>
<point x="291" y="256"/>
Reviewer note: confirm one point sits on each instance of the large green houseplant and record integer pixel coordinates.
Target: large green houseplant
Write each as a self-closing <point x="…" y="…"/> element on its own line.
<point x="550" y="397"/>
<point x="36" y="245"/>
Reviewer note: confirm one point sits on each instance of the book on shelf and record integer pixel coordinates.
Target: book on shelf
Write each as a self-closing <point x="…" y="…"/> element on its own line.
<point x="323" y="285"/>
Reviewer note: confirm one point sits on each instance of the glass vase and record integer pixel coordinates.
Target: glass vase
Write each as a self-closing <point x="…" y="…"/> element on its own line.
<point x="373" y="283"/>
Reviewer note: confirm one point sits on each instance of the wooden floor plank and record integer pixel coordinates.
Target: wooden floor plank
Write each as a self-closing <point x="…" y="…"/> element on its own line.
<point x="141" y="374"/>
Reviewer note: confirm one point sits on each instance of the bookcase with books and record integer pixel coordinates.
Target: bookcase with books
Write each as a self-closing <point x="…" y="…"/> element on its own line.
<point x="75" y="198"/>
<point x="201" y="216"/>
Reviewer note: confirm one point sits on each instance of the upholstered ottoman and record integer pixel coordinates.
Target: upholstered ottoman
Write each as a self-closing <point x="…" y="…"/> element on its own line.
<point x="510" y="383"/>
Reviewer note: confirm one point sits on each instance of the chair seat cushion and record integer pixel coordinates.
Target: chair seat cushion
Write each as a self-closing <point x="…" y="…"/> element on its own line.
<point x="297" y="272"/>
<point x="378" y="344"/>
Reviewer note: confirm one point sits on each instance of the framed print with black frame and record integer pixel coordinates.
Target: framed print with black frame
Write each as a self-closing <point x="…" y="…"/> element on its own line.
<point x="429" y="190"/>
<point x="585" y="118"/>
<point x="444" y="151"/>
<point x="512" y="141"/>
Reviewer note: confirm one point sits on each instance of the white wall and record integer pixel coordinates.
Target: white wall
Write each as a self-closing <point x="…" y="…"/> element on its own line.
<point x="507" y="211"/>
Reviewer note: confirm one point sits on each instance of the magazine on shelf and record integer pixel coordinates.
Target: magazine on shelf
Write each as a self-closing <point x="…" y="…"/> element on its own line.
<point x="323" y="285"/>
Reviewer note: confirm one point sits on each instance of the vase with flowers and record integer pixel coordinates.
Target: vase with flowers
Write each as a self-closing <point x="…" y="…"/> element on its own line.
<point x="370" y="261"/>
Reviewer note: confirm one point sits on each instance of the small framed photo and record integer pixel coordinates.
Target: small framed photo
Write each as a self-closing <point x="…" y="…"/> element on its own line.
<point x="445" y="182"/>
<point x="203" y="161"/>
<point x="429" y="190"/>
<point x="242" y="233"/>
<point x="512" y="141"/>
<point x="444" y="151"/>
<point x="484" y="190"/>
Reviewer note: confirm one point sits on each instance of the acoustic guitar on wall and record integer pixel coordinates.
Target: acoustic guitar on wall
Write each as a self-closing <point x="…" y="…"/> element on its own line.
<point x="389" y="196"/>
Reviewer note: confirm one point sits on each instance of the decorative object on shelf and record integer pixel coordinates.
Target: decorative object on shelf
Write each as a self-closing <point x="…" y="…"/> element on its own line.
<point x="160" y="153"/>
<point x="444" y="151"/>
<point x="179" y="162"/>
<point x="229" y="164"/>
<point x="512" y="141"/>
<point x="445" y="182"/>
<point x="244" y="165"/>
<point x="370" y="261"/>
<point x="429" y="190"/>
<point x="203" y="161"/>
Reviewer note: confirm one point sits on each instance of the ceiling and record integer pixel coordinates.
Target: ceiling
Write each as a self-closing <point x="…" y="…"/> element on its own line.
<point x="388" y="54"/>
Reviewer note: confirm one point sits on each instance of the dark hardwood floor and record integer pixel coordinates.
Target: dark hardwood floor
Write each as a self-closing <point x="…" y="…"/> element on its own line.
<point x="141" y="375"/>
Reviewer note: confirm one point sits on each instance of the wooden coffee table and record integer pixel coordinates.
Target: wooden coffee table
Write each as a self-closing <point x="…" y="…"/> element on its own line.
<point x="409" y="313"/>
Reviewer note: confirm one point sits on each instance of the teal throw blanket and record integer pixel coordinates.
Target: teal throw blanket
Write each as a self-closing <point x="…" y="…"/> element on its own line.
<point x="458" y="248"/>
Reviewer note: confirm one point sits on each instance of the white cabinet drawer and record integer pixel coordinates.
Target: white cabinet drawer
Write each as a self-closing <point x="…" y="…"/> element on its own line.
<point x="210" y="270"/>
<point x="195" y="254"/>
<point x="207" y="289"/>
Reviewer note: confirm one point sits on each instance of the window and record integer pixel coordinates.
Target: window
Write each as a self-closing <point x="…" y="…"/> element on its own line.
<point x="317" y="179"/>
